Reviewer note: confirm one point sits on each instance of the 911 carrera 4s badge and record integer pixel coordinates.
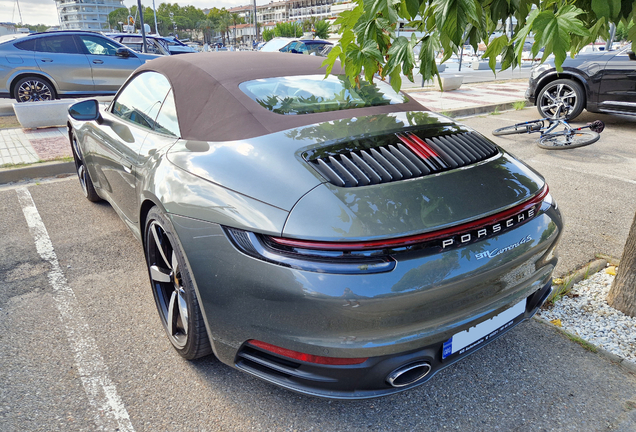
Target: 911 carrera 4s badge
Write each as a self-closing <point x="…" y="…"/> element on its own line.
<point x="499" y="251"/>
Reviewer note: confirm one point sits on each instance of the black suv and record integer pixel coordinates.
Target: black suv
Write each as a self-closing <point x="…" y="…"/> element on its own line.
<point x="603" y="82"/>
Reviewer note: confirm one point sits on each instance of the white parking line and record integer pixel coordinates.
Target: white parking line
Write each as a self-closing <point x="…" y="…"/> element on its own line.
<point x="102" y="393"/>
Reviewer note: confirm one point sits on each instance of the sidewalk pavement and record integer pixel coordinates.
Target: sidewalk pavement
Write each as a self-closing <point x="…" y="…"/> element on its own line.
<point x="29" y="146"/>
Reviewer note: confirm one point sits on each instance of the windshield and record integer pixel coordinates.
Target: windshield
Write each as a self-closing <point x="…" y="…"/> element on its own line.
<point x="315" y="93"/>
<point x="275" y="44"/>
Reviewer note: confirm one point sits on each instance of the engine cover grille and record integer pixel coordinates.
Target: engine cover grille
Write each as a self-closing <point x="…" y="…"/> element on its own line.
<point x="400" y="156"/>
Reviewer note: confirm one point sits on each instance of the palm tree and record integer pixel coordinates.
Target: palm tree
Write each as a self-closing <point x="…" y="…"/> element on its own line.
<point x="223" y="26"/>
<point x="206" y="26"/>
<point x="236" y="19"/>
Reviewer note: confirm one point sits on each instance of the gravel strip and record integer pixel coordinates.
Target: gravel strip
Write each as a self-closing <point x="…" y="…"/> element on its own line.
<point x="584" y="312"/>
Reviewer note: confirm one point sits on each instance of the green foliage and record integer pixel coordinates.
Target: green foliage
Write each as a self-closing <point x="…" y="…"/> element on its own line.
<point x="117" y="16"/>
<point x="288" y="29"/>
<point x="268" y="35"/>
<point x="37" y="27"/>
<point x="369" y="36"/>
<point x="622" y="31"/>
<point x="322" y="29"/>
<point x="186" y="18"/>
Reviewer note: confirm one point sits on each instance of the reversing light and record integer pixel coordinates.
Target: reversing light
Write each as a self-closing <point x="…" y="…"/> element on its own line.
<point x="309" y="358"/>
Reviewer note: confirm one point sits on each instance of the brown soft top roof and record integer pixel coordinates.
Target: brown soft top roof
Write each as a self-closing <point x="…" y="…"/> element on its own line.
<point x="211" y="107"/>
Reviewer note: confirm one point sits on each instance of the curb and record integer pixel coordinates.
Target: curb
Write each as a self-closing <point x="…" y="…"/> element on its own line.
<point x="588" y="269"/>
<point x="44" y="169"/>
<point x="628" y="365"/>
<point x="484" y="109"/>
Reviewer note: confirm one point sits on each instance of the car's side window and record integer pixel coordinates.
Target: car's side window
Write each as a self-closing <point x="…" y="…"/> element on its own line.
<point x="140" y="101"/>
<point x="167" y="122"/>
<point x="301" y="48"/>
<point x="60" y="44"/>
<point x="27" y="45"/>
<point x="99" y="46"/>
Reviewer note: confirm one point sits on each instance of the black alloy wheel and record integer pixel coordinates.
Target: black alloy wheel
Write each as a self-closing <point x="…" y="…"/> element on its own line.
<point x="33" y="89"/>
<point x="82" y="173"/>
<point x="173" y="289"/>
<point x="563" y="98"/>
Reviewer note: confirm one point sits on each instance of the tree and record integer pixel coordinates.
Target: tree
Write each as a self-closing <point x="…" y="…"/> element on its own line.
<point x="117" y="16"/>
<point x="37" y="27"/>
<point x="223" y="24"/>
<point x="268" y="35"/>
<point x="369" y="37"/>
<point x="322" y="29"/>
<point x="207" y="27"/>
<point x="236" y="19"/>
<point x="369" y="43"/>
<point x="288" y="29"/>
<point x="622" y="295"/>
<point x="622" y="31"/>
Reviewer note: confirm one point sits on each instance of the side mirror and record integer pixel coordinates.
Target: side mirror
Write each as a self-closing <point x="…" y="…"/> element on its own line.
<point x="122" y="52"/>
<point x="85" y="111"/>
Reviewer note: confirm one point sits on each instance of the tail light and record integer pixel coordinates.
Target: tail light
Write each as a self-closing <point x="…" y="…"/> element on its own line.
<point x="377" y="256"/>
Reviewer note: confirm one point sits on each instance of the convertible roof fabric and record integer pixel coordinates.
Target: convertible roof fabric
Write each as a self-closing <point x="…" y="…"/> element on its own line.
<point x="211" y="107"/>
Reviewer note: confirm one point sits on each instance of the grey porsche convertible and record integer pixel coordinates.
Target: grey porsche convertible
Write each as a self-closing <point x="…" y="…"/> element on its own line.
<point x="335" y="239"/>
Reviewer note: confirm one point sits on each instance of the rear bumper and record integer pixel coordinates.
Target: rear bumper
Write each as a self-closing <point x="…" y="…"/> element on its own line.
<point x="369" y="379"/>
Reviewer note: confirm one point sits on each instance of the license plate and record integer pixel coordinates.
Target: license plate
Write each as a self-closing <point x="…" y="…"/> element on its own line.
<point x="481" y="333"/>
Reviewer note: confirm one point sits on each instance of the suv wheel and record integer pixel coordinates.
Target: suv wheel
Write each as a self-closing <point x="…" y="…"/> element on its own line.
<point x="33" y="88"/>
<point x="561" y="98"/>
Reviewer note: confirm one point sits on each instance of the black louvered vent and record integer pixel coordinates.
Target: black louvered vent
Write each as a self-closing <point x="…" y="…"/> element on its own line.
<point x="401" y="156"/>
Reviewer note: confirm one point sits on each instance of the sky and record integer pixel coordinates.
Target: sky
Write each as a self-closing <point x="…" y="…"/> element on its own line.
<point x="44" y="11"/>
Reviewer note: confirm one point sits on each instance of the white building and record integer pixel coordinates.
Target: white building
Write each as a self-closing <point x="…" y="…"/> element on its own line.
<point x="292" y="10"/>
<point x="86" y="14"/>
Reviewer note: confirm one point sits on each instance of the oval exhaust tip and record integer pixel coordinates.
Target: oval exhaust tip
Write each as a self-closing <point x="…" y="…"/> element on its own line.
<point x="408" y="374"/>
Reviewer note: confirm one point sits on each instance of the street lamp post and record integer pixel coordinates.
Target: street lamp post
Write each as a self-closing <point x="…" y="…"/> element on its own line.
<point x="255" y="24"/>
<point x="143" y="30"/>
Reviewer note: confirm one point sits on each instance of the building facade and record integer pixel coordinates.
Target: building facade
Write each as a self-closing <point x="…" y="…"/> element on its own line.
<point x="86" y="14"/>
<point x="293" y="10"/>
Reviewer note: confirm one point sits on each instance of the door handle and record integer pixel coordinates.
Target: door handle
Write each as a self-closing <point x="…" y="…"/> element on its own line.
<point x="98" y="61"/>
<point x="128" y="169"/>
<point x="46" y="60"/>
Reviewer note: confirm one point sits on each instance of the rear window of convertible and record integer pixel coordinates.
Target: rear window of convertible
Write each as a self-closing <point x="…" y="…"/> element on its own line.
<point x="314" y="93"/>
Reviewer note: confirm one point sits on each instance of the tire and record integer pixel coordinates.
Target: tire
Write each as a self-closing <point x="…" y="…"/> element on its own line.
<point x="518" y="129"/>
<point x="558" y="92"/>
<point x="173" y="289"/>
<point x="32" y="89"/>
<point x="562" y="141"/>
<point x="82" y="173"/>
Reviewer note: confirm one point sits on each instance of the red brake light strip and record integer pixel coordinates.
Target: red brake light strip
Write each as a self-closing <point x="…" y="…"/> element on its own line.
<point x="340" y="361"/>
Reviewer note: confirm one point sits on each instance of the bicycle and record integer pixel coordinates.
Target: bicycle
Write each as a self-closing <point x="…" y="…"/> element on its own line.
<point x="568" y="138"/>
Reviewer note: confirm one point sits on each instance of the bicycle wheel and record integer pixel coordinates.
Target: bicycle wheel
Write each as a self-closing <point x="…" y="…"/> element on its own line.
<point x="518" y="128"/>
<point x="563" y="140"/>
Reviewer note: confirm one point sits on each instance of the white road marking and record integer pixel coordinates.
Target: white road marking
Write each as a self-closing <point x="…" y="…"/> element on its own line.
<point x="102" y="393"/>
<point x="577" y="170"/>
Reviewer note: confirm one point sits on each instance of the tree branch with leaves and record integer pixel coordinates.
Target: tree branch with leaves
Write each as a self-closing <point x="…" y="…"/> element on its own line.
<point x="370" y="41"/>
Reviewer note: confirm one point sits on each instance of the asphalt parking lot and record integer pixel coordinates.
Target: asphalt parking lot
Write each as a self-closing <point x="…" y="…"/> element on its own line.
<point x="82" y="347"/>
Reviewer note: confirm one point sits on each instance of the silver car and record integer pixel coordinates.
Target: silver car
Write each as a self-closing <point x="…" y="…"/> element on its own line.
<point x="155" y="45"/>
<point x="46" y="66"/>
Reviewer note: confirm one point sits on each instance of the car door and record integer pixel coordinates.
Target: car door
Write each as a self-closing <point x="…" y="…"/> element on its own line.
<point x="109" y="70"/>
<point x="114" y="149"/>
<point x="618" y="84"/>
<point x="59" y="57"/>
